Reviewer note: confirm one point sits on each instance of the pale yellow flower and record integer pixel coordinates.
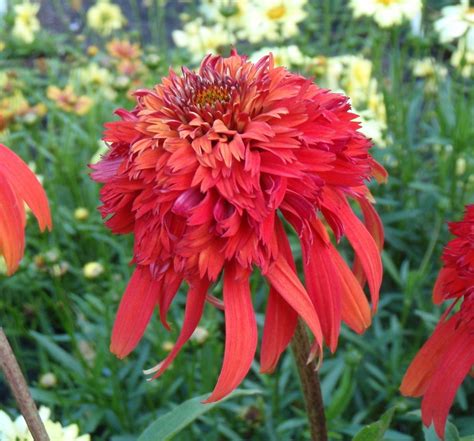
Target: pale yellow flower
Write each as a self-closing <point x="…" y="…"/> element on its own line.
<point x="461" y="166"/>
<point x="232" y="14"/>
<point x="272" y="20"/>
<point x="457" y="21"/>
<point x="26" y="24"/>
<point x="199" y="335"/>
<point x="81" y="213"/>
<point x="17" y="430"/>
<point x="92" y="270"/>
<point x="105" y="17"/>
<point x="287" y="56"/>
<point x="387" y="13"/>
<point x="200" y="40"/>
<point x="48" y="380"/>
<point x="93" y="75"/>
<point x="463" y="60"/>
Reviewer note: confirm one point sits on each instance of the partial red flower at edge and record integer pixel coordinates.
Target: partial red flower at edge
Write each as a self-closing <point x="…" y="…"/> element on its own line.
<point x="205" y="171"/>
<point x="447" y="357"/>
<point x="18" y="185"/>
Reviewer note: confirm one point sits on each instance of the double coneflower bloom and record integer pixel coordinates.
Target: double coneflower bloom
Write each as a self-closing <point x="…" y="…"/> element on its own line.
<point x="448" y="356"/>
<point x="209" y="171"/>
<point x="18" y="186"/>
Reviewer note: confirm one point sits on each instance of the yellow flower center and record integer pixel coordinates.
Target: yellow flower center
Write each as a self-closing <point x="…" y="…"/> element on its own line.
<point x="276" y="12"/>
<point x="386" y="2"/>
<point x="211" y="95"/>
<point x="470" y="15"/>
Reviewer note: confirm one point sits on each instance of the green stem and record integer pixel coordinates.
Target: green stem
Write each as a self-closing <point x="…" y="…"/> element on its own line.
<point x="17" y="382"/>
<point x="310" y="384"/>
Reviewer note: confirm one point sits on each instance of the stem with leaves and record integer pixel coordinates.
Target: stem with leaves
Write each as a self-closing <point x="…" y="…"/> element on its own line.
<point x="310" y="384"/>
<point x="16" y="380"/>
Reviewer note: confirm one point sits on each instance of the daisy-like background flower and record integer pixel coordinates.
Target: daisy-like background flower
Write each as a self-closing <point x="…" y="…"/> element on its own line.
<point x="387" y="13"/>
<point x="17" y="430"/>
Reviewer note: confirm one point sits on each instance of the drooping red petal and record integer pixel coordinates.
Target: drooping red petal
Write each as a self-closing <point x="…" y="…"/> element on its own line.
<point x="286" y="282"/>
<point x="424" y="365"/>
<point x="280" y="318"/>
<point x="355" y="309"/>
<point x="456" y="363"/>
<point x="135" y="311"/>
<point x="440" y="289"/>
<point x="361" y="240"/>
<point x="374" y="226"/>
<point x="171" y="284"/>
<point x="240" y="332"/>
<point x="195" y="300"/>
<point x="324" y="288"/>
<point x="12" y="224"/>
<point x="26" y="186"/>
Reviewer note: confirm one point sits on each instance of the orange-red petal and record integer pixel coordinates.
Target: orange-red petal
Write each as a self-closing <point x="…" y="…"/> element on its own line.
<point x="26" y="186"/>
<point x="240" y="332"/>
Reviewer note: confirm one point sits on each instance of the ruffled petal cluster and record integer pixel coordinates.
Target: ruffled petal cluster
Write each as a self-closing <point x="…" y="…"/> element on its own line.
<point x="208" y="172"/>
<point x="18" y="186"/>
<point x="447" y="357"/>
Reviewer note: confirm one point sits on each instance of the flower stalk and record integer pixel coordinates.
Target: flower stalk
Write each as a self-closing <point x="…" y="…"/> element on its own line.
<point x="310" y="384"/>
<point x="17" y="382"/>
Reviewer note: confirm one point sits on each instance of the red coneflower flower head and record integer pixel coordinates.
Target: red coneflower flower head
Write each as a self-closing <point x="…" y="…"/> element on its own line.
<point x="205" y="171"/>
<point x="447" y="357"/>
<point x="18" y="185"/>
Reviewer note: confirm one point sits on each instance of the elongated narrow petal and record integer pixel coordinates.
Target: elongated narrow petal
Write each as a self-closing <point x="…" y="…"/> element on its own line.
<point x="171" y="284"/>
<point x="280" y="323"/>
<point x="240" y="332"/>
<point x="324" y="288"/>
<point x="26" y="186"/>
<point x="424" y="365"/>
<point x="195" y="300"/>
<point x="363" y="243"/>
<point x="12" y="222"/>
<point x="135" y="311"/>
<point x="286" y="282"/>
<point x="355" y="308"/>
<point x="374" y="226"/>
<point x="280" y="318"/>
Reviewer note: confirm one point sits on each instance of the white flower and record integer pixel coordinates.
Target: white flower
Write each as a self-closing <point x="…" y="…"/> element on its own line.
<point x="273" y="19"/>
<point x="286" y="56"/>
<point x="18" y="430"/>
<point x="92" y="270"/>
<point x="230" y="14"/>
<point x="455" y="22"/>
<point x="26" y="23"/>
<point x="200" y="40"/>
<point x="387" y="13"/>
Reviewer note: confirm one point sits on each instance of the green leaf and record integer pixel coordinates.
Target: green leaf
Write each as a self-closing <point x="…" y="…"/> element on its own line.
<point x="168" y="425"/>
<point x="58" y="353"/>
<point x="376" y="431"/>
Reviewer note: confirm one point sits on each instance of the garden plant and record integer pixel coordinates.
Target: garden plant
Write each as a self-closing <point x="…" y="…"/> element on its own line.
<point x="256" y="220"/>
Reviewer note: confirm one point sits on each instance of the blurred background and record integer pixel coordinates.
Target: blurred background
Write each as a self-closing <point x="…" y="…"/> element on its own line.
<point x="65" y="66"/>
